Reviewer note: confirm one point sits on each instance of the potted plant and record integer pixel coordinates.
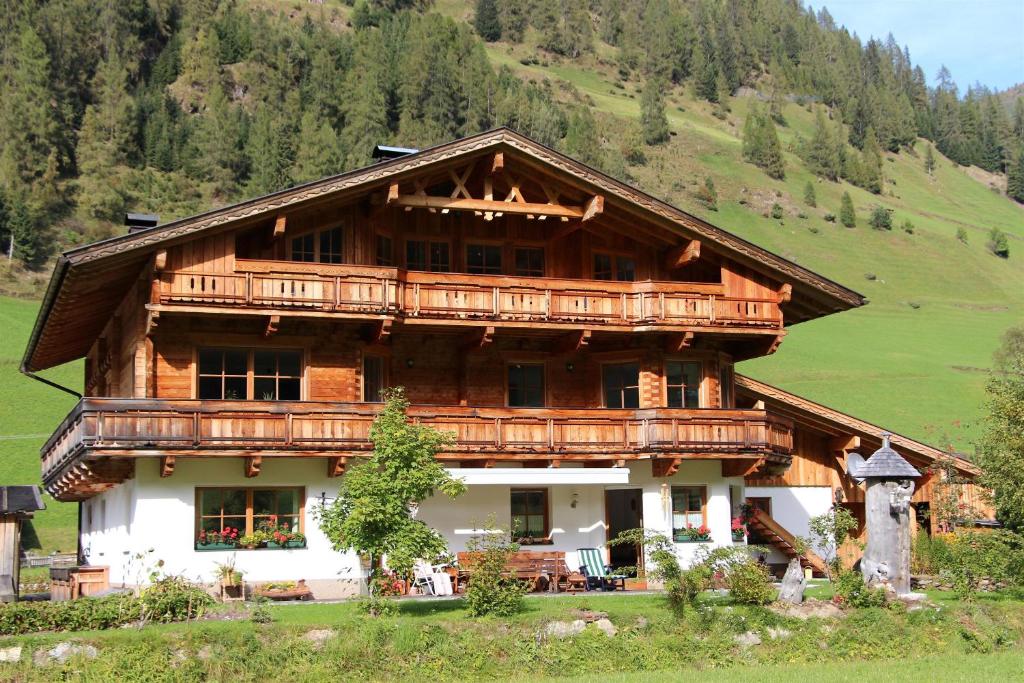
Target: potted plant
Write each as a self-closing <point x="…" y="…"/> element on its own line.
<point x="230" y="578"/>
<point x="691" y="534"/>
<point x="256" y="539"/>
<point x="225" y="539"/>
<point x="282" y="538"/>
<point x="739" y="529"/>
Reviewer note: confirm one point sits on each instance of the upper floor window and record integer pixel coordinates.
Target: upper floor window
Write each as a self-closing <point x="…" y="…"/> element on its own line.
<point x="374" y="380"/>
<point x="246" y="374"/>
<point x="483" y="259"/>
<point x="426" y="255"/>
<point x="610" y="267"/>
<point x="726" y="384"/>
<point x="621" y="384"/>
<point x="683" y="381"/>
<point x="530" y="262"/>
<point x="317" y="247"/>
<point x="384" y="255"/>
<point x="526" y="385"/>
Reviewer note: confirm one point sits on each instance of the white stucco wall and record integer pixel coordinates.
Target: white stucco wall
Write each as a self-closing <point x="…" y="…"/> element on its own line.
<point x="150" y="518"/>
<point x="793" y="507"/>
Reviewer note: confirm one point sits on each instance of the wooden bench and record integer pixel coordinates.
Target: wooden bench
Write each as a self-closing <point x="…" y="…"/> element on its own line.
<point x="545" y="569"/>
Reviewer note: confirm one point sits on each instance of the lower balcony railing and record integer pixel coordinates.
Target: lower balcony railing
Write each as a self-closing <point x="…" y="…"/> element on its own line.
<point x="116" y="427"/>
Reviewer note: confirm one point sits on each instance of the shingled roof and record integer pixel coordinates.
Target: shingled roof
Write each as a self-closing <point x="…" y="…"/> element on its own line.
<point x="885" y="463"/>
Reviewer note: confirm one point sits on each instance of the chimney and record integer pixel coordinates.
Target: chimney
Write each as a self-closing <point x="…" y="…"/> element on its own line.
<point x="385" y="153"/>
<point x="137" y="222"/>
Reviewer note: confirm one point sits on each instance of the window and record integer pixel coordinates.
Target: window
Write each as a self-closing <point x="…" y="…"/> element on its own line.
<point x="385" y="256"/>
<point x="245" y="374"/>
<point x="683" y="381"/>
<point x="526" y="385"/>
<point x="483" y="259"/>
<point x="608" y="267"/>
<point x="621" y="383"/>
<point x="303" y="248"/>
<point x="687" y="510"/>
<point x="529" y="514"/>
<point x="224" y="374"/>
<point x="530" y="262"/>
<point x="423" y="255"/>
<point x="726" y="381"/>
<point x="246" y="510"/>
<point x="276" y="375"/>
<point x="373" y="379"/>
<point x="323" y="246"/>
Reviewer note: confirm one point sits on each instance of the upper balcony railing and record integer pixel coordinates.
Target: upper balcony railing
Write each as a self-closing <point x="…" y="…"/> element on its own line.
<point x="112" y="427"/>
<point x="368" y="291"/>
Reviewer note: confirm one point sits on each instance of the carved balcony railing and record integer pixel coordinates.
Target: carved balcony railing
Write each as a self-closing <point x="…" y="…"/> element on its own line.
<point x="368" y="291"/>
<point x="129" y="428"/>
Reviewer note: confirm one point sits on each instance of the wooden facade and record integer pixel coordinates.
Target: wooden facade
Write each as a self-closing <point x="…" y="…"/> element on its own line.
<point x="455" y="273"/>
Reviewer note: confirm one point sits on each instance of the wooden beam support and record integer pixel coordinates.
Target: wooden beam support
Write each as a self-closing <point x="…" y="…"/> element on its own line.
<point x="571" y="342"/>
<point x="678" y="342"/>
<point x="741" y="467"/>
<point x="273" y="323"/>
<point x="166" y="465"/>
<point x="478" y="339"/>
<point x="785" y="293"/>
<point x="279" y="225"/>
<point x="841" y="446"/>
<point x="774" y="345"/>
<point x="253" y="463"/>
<point x="411" y="201"/>
<point x="665" y="467"/>
<point x="160" y="261"/>
<point x="336" y="465"/>
<point x="392" y="193"/>
<point x="379" y="332"/>
<point x="682" y="255"/>
<point x="593" y="208"/>
<point x="498" y="163"/>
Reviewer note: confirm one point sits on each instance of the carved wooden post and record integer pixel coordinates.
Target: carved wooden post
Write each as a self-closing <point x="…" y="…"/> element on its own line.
<point x="890" y="484"/>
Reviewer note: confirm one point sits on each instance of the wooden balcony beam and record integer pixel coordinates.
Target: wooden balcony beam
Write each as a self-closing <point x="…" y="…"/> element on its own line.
<point x="279" y="225"/>
<point x="253" y="463"/>
<point x="682" y="255"/>
<point x="741" y="467"/>
<point x="665" y="467"/>
<point x="412" y="201"/>
<point x="336" y="465"/>
<point x="678" y="342"/>
<point x="166" y="465"/>
<point x="478" y="338"/>
<point x="593" y="208"/>
<point x="573" y="342"/>
<point x="273" y="323"/>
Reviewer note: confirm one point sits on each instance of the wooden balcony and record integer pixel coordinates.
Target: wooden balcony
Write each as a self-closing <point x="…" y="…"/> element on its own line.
<point x="100" y="434"/>
<point x="276" y="287"/>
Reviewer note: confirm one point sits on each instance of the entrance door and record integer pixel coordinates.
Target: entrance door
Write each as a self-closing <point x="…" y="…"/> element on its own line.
<point x="624" y="511"/>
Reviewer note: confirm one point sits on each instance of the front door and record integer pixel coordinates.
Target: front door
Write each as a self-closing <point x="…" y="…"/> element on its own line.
<point x="624" y="511"/>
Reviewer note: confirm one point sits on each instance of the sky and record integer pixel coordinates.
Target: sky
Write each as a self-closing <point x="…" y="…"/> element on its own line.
<point x="978" y="40"/>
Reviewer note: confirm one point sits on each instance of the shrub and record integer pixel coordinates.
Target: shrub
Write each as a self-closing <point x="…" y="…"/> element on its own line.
<point x="489" y="592"/>
<point x="379" y="606"/>
<point x="750" y="583"/>
<point x="961" y="235"/>
<point x="707" y="194"/>
<point x="681" y="586"/>
<point x="777" y="211"/>
<point x="907" y="226"/>
<point x="84" y="614"/>
<point x="847" y="214"/>
<point x="998" y="244"/>
<point x="810" y="196"/>
<point x="851" y="590"/>
<point x="975" y="555"/>
<point x="173" y="598"/>
<point x="881" y="218"/>
<point x="930" y="554"/>
<point x="260" y="612"/>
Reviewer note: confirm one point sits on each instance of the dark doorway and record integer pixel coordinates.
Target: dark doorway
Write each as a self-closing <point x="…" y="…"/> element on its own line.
<point x="624" y="508"/>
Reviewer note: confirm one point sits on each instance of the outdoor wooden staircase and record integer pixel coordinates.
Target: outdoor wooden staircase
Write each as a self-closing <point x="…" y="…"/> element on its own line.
<point x="766" y="527"/>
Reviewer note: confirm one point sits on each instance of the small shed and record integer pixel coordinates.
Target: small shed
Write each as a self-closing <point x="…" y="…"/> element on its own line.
<point x="17" y="503"/>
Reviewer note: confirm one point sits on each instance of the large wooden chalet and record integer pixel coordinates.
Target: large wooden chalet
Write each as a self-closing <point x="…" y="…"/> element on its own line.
<point x="576" y="334"/>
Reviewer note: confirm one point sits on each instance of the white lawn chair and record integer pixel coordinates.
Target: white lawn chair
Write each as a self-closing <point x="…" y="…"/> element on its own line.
<point x="431" y="580"/>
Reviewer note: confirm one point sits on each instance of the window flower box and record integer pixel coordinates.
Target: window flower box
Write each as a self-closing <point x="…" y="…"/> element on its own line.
<point x="535" y="540"/>
<point x="739" y="536"/>
<point x="692" y="535"/>
<point x="291" y="543"/>
<point x="203" y="547"/>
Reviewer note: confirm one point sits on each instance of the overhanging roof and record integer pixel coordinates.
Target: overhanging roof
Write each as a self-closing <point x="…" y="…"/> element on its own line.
<point x="88" y="282"/>
<point x="807" y="412"/>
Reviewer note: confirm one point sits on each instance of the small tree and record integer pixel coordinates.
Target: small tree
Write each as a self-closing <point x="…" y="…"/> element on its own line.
<point x="961" y="235"/>
<point x="998" y="244"/>
<point x="490" y="590"/>
<point x="707" y="194"/>
<point x="374" y="513"/>
<point x="829" y="531"/>
<point x="810" y="196"/>
<point x="847" y="216"/>
<point x="1001" y="450"/>
<point x="881" y="218"/>
<point x="487" y="21"/>
<point x="652" y="112"/>
<point x="929" y="160"/>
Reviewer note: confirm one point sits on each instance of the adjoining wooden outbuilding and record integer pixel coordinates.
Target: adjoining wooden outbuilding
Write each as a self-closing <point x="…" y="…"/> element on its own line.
<point x="17" y="503"/>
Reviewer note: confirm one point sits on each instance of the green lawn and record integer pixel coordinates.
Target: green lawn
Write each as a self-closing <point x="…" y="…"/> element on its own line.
<point x="437" y="640"/>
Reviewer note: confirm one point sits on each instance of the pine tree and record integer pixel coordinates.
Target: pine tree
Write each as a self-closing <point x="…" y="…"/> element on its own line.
<point x="270" y="154"/>
<point x="486" y="20"/>
<point x="581" y="140"/>
<point x="847" y="215"/>
<point x="1015" y="175"/>
<point x="761" y="143"/>
<point x="810" y="196"/>
<point x="611" y="21"/>
<point x="317" y="151"/>
<point x="821" y="152"/>
<point x="705" y="71"/>
<point x="652" y="112"/>
<point x="998" y="244"/>
<point x="929" y="159"/>
<point x="26" y="236"/>
<point x="871" y="167"/>
<point x="218" y="144"/>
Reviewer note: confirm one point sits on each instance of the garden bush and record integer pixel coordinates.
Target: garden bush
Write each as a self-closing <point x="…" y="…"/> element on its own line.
<point x="851" y="590"/>
<point x="976" y="555"/>
<point x="930" y="555"/>
<point x="750" y="583"/>
<point x="489" y="592"/>
<point x="173" y="598"/>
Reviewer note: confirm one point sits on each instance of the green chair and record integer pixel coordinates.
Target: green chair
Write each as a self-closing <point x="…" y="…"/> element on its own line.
<point x="598" y="574"/>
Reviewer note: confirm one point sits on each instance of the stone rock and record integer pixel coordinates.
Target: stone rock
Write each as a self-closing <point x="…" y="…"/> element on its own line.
<point x="607" y="626"/>
<point x="778" y="633"/>
<point x="319" y="636"/>
<point x="62" y="652"/>
<point x="10" y="654"/>
<point x="748" y="639"/>
<point x="565" y="629"/>
<point x="589" y="616"/>
<point x="820" y="609"/>
<point x="793" y="583"/>
<point x="641" y="622"/>
<point x="205" y="653"/>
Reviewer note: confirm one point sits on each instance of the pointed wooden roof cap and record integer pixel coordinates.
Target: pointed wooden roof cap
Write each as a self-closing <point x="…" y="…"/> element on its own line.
<point x="885" y="463"/>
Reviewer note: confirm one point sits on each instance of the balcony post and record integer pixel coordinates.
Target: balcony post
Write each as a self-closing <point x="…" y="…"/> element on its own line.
<point x="711" y="308"/>
<point x="288" y="429"/>
<point x="337" y="292"/>
<point x="496" y="300"/>
<point x="196" y="432"/>
<point x="99" y="427"/>
<point x="248" y="288"/>
<point x="551" y="433"/>
<point x="497" y="432"/>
